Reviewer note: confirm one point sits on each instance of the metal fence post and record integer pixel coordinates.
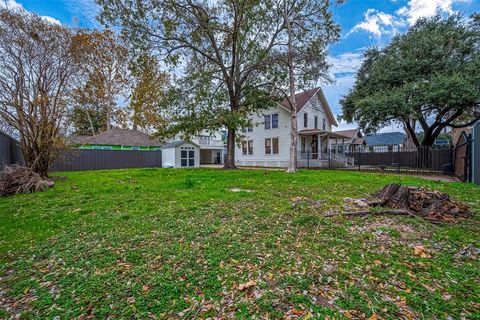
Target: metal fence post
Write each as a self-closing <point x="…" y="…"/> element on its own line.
<point x="359" y="159"/>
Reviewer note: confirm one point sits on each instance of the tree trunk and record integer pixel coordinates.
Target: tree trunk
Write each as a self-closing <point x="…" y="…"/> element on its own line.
<point x="90" y="122"/>
<point x="230" y="161"/>
<point x="292" y="166"/>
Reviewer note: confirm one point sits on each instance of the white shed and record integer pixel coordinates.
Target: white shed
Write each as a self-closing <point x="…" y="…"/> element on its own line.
<point x="180" y="154"/>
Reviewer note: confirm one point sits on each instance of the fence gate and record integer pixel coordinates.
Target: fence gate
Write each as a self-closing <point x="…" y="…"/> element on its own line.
<point x="461" y="158"/>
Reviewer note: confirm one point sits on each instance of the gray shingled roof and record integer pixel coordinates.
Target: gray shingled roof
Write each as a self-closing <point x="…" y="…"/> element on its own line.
<point x="174" y="144"/>
<point x="115" y="136"/>
<point x="386" y="138"/>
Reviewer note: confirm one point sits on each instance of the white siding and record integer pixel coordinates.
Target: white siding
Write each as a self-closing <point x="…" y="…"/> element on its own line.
<point x="259" y="134"/>
<point x="188" y="147"/>
<point x="314" y="108"/>
<point x="168" y="158"/>
<point x="172" y="156"/>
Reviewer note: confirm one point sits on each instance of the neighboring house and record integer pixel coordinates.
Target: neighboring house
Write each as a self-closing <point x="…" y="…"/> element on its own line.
<point x="353" y="141"/>
<point x="211" y="145"/>
<point x="267" y="142"/>
<point x="180" y="154"/>
<point x="385" y="142"/>
<point x="115" y="139"/>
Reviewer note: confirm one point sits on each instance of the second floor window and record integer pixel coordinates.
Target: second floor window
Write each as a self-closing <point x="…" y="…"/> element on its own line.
<point x="324" y="125"/>
<point x="267" y="121"/>
<point x="305" y="120"/>
<point x="315" y="121"/>
<point x="271" y="121"/>
<point x="275" y="120"/>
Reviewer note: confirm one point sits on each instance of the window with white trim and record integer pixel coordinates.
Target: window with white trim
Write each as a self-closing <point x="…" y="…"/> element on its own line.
<point x="271" y="121"/>
<point x="271" y="146"/>
<point x="250" y="146"/>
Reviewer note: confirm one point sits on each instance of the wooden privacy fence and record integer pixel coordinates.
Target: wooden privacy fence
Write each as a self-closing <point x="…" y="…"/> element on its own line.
<point x="78" y="159"/>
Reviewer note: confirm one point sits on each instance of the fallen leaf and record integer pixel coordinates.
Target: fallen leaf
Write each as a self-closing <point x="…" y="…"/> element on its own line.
<point x="418" y="250"/>
<point x="248" y="284"/>
<point x="297" y="312"/>
<point x="373" y="317"/>
<point x="131" y="300"/>
<point x="421" y="252"/>
<point x="377" y="262"/>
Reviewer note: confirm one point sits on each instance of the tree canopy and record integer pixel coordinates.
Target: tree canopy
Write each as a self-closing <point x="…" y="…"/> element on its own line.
<point x="428" y="75"/>
<point x="37" y="66"/>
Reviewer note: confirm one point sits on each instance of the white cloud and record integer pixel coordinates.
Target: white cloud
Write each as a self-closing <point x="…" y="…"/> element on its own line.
<point x="10" y="4"/>
<point x="84" y="10"/>
<point x="378" y="23"/>
<point x="13" y="5"/>
<point x="416" y="9"/>
<point x="345" y="63"/>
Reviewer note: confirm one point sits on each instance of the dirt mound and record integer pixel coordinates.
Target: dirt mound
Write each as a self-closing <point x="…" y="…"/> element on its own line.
<point x="17" y="179"/>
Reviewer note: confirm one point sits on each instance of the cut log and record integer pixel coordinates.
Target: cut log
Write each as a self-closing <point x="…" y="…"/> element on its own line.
<point x="404" y="200"/>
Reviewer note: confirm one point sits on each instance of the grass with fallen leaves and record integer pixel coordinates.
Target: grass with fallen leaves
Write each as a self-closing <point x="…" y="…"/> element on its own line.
<point x="199" y="243"/>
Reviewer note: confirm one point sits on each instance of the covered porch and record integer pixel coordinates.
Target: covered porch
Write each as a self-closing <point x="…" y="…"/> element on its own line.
<point x="211" y="155"/>
<point x="314" y="147"/>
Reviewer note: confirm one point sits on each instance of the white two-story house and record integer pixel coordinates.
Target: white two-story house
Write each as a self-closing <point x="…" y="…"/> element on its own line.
<point x="267" y="142"/>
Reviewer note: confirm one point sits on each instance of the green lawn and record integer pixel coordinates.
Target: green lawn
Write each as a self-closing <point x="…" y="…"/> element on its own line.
<point x="165" y="243"/>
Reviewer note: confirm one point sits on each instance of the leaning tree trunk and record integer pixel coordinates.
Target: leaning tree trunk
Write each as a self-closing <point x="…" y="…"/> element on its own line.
<point x="292" y="166"/>
<point x="230" y="160"/>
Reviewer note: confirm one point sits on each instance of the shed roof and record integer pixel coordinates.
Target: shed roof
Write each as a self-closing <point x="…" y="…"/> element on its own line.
<point x="177" y="143"/>
<point x="386" y="138"/>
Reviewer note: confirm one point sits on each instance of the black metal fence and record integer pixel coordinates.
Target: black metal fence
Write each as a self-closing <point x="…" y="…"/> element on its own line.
<point x="79" y="159"/>
<point x="429" y="160"/>
<point x="475" y="155"/>
<point x="10" y="152"/>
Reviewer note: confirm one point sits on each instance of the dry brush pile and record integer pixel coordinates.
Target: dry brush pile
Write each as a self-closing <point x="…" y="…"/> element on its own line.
<point x="17" y="179"/>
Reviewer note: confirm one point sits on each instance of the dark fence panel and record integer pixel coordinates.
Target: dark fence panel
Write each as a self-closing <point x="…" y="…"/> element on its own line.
<point x="78" y="159"/>
<point x="10" y="152"/>
<point x="476" y="154"/>
<point x="405" y="159"/>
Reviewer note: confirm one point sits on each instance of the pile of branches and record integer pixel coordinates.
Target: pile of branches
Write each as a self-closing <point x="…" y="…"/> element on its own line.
<point x="396" y="199"/>
<point x="17" y="179"/>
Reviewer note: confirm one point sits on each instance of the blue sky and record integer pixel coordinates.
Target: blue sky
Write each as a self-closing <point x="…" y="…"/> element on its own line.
<point x="364" y="23"/>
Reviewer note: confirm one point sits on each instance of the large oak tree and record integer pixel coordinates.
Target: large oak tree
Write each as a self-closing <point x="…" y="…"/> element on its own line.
<point x="220" y="50"/>
<point x="429" y="75"/>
